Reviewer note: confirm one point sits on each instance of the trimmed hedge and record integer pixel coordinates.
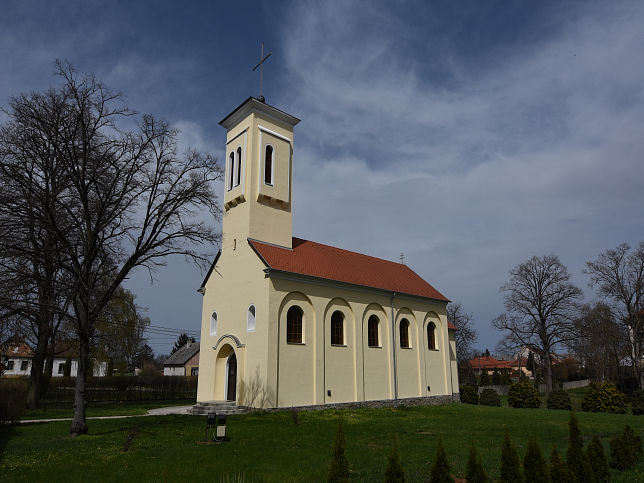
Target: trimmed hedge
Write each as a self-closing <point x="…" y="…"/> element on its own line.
<point x="13" y="398"/>
<point x="603" y="398"/>
<point x="489" y="397"/>
<point x="559" y="399"/>
<point x="469" y="394"/>
<point x="523" y="395"/>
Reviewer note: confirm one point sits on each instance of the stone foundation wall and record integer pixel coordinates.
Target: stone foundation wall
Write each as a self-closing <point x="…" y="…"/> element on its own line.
<point x="383" y="403"/>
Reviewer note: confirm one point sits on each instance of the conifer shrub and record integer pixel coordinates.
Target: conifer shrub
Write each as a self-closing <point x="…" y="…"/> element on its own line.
<point x="475" y="473"/>
<point x="523" y="395"/>
<point x="637" y="401"/>
<point x="441" y="472"/>
<point x="394" y="472"/>
<point x="496" y="378"/>
<point x="506" y="380"/>
<point x="559" y="399"/>
<point x="603" y="398"/>
<point x="535" y="469"/>
<point x="469" y="394"/>
<point x="625" y="449"/>
<point x="489" y="397"/>
<point x="510" y="466"/>
<point x="484" y="380"/>
<point x="576" y="457"/>
<point x="597" y="458"/>
<point x="559" y="471"/>
<point x="339" y="466"/>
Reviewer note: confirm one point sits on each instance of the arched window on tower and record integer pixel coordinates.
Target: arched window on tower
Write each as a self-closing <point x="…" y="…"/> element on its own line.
<point x="250" y="319"/>
<point x="239" y="166"/>
<point x="294" y="325"/>
<point x="404" y="334"/>
<point x="213" y="324"/>
<point x="268" y="165"/>
<point x="373" y="336"/>
<point x="431" y="336"/>
<point x="231" y="170"/>
<point x="337" y="328"/>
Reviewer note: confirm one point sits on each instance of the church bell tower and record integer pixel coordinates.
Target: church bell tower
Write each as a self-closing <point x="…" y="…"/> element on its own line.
<point x="259" y="174"/>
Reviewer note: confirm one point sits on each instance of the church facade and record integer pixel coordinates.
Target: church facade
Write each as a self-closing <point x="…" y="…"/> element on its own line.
<point x="290" y="322"/>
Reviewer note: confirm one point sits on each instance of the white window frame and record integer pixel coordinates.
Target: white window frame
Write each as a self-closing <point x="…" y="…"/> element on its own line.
<point x="272" y="183"/>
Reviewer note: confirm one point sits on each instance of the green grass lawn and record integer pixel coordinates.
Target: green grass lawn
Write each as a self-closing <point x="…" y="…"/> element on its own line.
<point x="270" y="447"/>
<point x="110" y="409"/>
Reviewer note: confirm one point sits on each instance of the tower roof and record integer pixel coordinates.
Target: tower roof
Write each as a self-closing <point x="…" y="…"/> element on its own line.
<point x="255" y="105"/>
<point x="330" y="263"/>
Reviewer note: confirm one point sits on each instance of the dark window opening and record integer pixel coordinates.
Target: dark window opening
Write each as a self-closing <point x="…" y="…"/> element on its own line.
<point x="294" y="325"/>
<point x="239" y="153"/>
<point x="337" y="328"/>
<point x="268" y="165"/>
<point x="231" y="171"/>
<point x="431" y="338"/>
<point x="404" y="334"/>
<point x="372" y="331"/>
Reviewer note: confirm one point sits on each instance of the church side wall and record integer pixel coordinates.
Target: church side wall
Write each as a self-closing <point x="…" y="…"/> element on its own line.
<point x="318" y="372"/>
<point x="236" y="283"/>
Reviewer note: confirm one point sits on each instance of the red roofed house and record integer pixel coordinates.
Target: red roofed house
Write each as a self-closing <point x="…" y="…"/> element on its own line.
<point x="291" y="322"/>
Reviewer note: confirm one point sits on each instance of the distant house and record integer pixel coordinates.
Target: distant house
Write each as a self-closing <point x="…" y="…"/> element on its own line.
<point x="489" y="364"/>
<point x="64" y="352"/>
<point x="16" y="357"/>
<point x="184" y="362"/>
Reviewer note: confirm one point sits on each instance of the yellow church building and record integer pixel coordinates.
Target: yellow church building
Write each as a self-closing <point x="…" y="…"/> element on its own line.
<point x="290" y="322"/>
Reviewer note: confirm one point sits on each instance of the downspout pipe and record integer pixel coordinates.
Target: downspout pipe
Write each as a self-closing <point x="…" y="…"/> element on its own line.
<point x="393" y="347"/>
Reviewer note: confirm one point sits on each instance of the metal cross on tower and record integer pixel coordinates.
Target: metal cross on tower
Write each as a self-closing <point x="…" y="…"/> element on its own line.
<point x="260" y="64"/>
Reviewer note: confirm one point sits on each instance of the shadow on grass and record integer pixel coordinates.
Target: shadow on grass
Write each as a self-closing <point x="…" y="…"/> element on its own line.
<point x="6" y="433"/>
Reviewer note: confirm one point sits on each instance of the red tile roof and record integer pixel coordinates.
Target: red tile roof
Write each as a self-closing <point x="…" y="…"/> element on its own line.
<point x="331" y="263"/>
<point x="488" y="362"/>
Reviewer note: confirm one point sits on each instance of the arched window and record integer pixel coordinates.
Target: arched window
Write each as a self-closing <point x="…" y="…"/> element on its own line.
<point x="294" y="325"/>
<point x="250" y="319"/>
<point x="431" y="337"/>
<point x="238" y="175"/>
<point x="213" y="323"/>
<point x="404" y="334"/>
<point x="372" y="331"/>
<point x="231" y="172"/>
<point x="337" y="328"/>
<point x="268" y="165"/>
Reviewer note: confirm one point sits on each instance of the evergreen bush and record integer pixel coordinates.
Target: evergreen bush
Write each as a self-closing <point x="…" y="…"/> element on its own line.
<point x="489" y="397"/>
<point x="637" y="401"/>
<point x="559" y="472"/>
<point x="441" y="472"/>
<point x="394" y="472"/>
<point x="484" y="380"/>
<point x="597" y="458"/>
<point x="339" y="467"/>
<point x="604" y="398"/>
<point x="510" y="466"/>
<point x="535" y="469"/>
<point x="559" y="399"/>
<point x="469" y="394"/>
<point x="576" y="456"/>
<point x="475" y="472"/>
<point x="506" y="380"/>
<point x="496" y="378"/>
<point x="523" y="395"/>
<point x="625" y="449"/>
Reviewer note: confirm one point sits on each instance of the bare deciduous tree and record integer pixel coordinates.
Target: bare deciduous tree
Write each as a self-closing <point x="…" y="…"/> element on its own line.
<point x="465" y="335"/>
<point x="130" y="199"/>
<point x="618" y="277"/>
<point x="541" y="305"/>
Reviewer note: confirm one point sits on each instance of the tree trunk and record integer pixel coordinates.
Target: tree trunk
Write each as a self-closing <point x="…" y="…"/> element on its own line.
<point x="79" y="423"/>
<point x="547" y="365"/>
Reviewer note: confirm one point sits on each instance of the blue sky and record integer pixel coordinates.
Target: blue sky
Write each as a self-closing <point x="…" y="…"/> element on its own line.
<point x="467" y="135"/>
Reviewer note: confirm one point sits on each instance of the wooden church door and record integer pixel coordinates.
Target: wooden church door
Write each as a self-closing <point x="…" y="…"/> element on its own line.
<point x="231" y="390"/>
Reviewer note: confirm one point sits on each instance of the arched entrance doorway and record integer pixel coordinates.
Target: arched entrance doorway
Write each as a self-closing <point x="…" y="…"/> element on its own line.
<point x="231" y="377"/>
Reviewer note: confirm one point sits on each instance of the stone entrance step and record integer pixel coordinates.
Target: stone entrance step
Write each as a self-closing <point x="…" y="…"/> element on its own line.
<point x="218" y="407"/>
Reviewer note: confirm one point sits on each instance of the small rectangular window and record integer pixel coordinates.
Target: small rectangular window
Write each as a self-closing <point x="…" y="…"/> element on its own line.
<point x="10" y="365"/>
<point x="24" y="365"/>
<point x="61" y="368"/>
